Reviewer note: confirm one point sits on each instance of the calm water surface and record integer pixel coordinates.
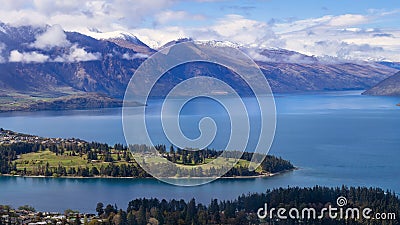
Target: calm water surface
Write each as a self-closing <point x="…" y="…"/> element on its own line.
<point x="335" y="138"/>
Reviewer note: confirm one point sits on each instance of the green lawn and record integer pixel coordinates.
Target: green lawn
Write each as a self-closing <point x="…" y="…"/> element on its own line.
<point x="209" y="162"/>
<point x="32" y="160"/>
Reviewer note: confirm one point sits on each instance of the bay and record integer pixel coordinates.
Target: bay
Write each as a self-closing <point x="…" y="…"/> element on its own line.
<point x="335" y="138"/>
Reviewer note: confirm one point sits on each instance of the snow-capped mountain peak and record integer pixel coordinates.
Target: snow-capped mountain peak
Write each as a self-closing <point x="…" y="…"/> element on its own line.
<point x="215" y="43"/>
<point x="114" y="35"/>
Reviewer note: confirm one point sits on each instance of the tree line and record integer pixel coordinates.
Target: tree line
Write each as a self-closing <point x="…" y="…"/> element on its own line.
<point x="243" y="210"/>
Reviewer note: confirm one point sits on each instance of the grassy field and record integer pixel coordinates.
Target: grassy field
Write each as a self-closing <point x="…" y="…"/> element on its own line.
<point x="209" y="163"/>
<point x="32" y="160"/>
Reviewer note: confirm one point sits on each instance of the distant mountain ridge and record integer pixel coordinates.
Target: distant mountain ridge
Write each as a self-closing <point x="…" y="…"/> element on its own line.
<point x="387" y="87"/>
<point x="88" y="65"/>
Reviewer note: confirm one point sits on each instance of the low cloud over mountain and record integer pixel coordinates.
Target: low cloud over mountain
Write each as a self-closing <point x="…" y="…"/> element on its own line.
<point x="48" y="61"/>
<point x="356" y="31"/>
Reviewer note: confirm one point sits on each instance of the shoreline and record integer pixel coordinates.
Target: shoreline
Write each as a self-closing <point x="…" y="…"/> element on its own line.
<point x="266" y="175"/>
<point x="25" y="110"/>
<point x="108" y="177"/>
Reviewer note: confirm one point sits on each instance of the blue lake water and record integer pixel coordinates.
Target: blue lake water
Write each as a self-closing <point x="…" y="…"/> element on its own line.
<point x="335" y="138"/>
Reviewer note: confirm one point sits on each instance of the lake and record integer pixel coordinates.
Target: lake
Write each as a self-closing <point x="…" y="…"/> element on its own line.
<point x="335" y="138"/>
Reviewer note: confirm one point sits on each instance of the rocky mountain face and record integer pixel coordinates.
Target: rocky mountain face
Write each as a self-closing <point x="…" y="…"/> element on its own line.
<point x="388" y="87"/>
<point x="74" y="63"/>
<point x="296" y="77"/>
<point x="132" y="42"/>
<point x="84" y="64"/>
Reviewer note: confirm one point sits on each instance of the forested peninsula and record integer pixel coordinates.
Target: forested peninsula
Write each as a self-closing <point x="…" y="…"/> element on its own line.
<point x="30" y="155"/>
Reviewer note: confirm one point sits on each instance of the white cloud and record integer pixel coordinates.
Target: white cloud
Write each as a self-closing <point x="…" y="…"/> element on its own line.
<point x="77" y="15"/>
<point x="233" y="28"/>
<point x="341" y="36"/>
<point x="348" y="20"/>
<point x="237" y="28"/>
<point x="353" y="51"/>
<point x="325" y="22"/>
<point x="53" y="37"/>
<point x="157" y="37"/>
<point x="57" y="6"/>
<point x="77" y="54"/>
<point x="12" y="4"/>
<point x="343" y="32"/>
<point x="345" y="39"/>
<point x="130" y="15"/>
<point x="354" y="44"/>
<point x="128" y="56"/>
<point x="297" y="25"/>
<point x="343" y="49"/>
<point x="168" y="16"/>
<point x="290" y="57"/>
<point x="27" y="57"/>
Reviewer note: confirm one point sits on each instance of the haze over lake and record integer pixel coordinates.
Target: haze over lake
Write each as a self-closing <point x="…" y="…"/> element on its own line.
<point x="335" y="138"/>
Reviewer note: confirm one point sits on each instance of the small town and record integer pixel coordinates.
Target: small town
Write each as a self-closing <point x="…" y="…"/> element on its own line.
<point x="27" y="215"/>
<point x="11" y="137"/>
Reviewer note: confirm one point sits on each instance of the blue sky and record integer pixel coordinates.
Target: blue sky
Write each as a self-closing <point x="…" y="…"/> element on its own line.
<point x="347" y="29"/>
<point x="268" y="10"/>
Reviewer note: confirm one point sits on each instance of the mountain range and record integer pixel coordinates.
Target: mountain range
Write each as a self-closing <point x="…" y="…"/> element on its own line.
<point x="48" y="62"/>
